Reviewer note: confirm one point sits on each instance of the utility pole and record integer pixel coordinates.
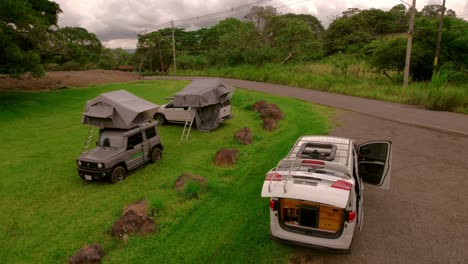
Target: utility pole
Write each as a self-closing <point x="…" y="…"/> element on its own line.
<point x="439" y="39"/>
<point x="409" y="45"/>
<point x="173" y="46"/>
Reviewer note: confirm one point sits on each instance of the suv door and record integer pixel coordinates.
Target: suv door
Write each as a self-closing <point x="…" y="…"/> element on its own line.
<point x="135" y="151"/>
<point x="374" y="161"/>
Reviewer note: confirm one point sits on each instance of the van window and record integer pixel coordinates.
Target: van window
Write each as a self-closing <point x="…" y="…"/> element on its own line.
<point x="150" y="132"/>
<point x="134" y="140"/>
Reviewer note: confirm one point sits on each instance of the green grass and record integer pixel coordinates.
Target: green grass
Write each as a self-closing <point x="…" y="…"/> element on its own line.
<point x="48" y="212"/>
<point x="359" y="82"/>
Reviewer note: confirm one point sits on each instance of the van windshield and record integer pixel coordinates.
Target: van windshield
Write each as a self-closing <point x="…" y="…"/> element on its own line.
<point x="111" y="139"/>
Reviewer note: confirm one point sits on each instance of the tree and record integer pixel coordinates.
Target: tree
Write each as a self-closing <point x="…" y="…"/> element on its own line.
<point x="79" y="46"/>
<point x="314" y="24"/>
<point x="154" y="50"/>
<point x="293" y="38"/>
<point x="434" y="11"/>
<point x="25" y="29"/>
<point x="387" y="55"/>
<point x="111" y="58"/>
<point x="258" y="15"/>
<point x="356" y="28"/>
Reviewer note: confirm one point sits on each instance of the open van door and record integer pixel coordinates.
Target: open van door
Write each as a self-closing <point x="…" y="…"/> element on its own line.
<point x="374" y="161"/>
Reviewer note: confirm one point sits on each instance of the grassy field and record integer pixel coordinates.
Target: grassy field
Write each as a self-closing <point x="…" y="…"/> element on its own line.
<point x="48" y="212"/>
<point x="358" y="81"/>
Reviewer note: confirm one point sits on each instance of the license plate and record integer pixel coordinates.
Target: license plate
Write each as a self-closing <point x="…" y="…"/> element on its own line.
<point x="88" y="177"/>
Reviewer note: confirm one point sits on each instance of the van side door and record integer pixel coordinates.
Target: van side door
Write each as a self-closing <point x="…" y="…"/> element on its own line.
<point x="374" y="163"/>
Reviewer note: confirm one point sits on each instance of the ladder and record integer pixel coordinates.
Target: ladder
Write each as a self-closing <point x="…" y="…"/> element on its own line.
<point x="89" y="138"/>
<point x="188" y="125"/>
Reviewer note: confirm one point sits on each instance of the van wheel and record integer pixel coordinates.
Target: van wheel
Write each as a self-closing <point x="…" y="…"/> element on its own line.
<point x="118" y="174"/>
<point x="161" y="119"/>
<point x="156" y="155"/>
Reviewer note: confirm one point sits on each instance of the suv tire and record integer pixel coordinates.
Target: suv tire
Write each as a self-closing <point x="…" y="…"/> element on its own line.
<point x="161" y="119"/>
<point x="156" y="154"/>
<point x="118" y="174"/>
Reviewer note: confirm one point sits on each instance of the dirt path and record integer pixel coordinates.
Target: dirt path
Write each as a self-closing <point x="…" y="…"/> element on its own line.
<point x="423" y="218"/>
<point x="64" y="79"/>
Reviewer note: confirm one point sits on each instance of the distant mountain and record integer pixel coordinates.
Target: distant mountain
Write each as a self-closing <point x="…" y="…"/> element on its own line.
<point x="131" y="51"/>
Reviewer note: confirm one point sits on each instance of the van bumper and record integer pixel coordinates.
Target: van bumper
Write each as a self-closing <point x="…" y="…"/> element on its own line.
<point x="305" y="245"/>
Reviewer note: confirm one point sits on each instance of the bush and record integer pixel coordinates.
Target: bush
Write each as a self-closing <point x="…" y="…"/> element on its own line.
<point x="156" y="205"/>
<point x="192" y="189"/>
<point x="196" y="62"/>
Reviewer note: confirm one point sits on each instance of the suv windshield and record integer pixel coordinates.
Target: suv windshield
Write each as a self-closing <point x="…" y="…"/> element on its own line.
<point x="111" y="139"/>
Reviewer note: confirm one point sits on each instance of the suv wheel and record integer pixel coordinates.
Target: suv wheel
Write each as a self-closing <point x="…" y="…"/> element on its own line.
<point x="156" y="155"/>
<point x="118" y="174"/>
<point x="161" y="119"/>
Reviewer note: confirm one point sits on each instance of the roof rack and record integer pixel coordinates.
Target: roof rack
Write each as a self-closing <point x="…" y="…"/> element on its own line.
<point x="312" y="154"/>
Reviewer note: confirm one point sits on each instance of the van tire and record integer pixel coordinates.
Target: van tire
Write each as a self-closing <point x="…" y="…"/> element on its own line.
<point x="156" y="154"/>
<point x="118" y="174"/>
<point x="161" y="119"/>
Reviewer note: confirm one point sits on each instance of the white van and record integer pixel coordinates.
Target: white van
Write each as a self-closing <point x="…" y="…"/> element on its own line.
<point x="316" y="191"/>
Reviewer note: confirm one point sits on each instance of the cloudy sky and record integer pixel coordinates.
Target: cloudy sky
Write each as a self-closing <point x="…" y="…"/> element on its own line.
<point x="118" y="22"/>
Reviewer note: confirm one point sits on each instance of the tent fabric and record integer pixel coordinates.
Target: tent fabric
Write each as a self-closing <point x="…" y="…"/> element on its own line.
<point x="207" y="118"/>
<point x="118" y="109"/>
<point x="203" y="92"/>
<point x="206" y="97"/>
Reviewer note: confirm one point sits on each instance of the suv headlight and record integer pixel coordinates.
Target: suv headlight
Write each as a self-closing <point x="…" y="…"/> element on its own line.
<point x="79" y="162"/>
<point x="99" y="165"/>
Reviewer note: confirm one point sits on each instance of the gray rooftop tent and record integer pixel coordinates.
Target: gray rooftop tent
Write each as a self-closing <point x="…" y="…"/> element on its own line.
<point x="118" y="109"/>
<point x="207" y="97"/>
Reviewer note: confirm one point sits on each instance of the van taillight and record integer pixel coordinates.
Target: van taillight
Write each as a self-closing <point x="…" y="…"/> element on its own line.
<point x="273" y="177"/>
<point x="313" y="162"/>
<point x="344" y="185"/>
<point x="272" y="205"/>
<point x="351" y="216"/>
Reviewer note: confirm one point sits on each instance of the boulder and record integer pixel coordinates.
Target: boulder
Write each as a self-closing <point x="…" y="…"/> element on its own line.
<point x="258" y="105"/>
<point x="226" y="157"/>
<point x="90" y="254"/>
<point x="271" y="111"/>
<point x="270" y="124"/>
<point x="140" y="208"/>
<point x="184" y="178"/>
<point x="133" y="223"/>
<point x="244" y="136"/>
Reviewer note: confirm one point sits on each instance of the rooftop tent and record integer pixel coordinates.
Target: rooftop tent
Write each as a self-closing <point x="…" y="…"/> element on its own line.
<point x="207" y="97"/>
<point x="119" y="109"/>
<point x="203" y="92"/>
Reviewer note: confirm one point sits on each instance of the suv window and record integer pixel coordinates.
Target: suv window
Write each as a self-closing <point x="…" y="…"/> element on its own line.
<point x="134" y="140"/>
<point x="150" y="132"/>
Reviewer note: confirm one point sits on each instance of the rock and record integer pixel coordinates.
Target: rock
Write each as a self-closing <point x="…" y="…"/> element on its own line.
<point x="184" y="178"/>
<point x="270" y="124"/>
<point x="244" y="136"/>
<point x="133" y="223"/>
<point x="258" y="105"/>
<point x="226" y="157"/>
<point x="271" y="111"/>
<point x="140" y="208"/>
<point x="90" y="254"/>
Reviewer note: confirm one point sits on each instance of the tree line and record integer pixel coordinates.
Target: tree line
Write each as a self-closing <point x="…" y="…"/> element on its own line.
<point x="31" y="40"/>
